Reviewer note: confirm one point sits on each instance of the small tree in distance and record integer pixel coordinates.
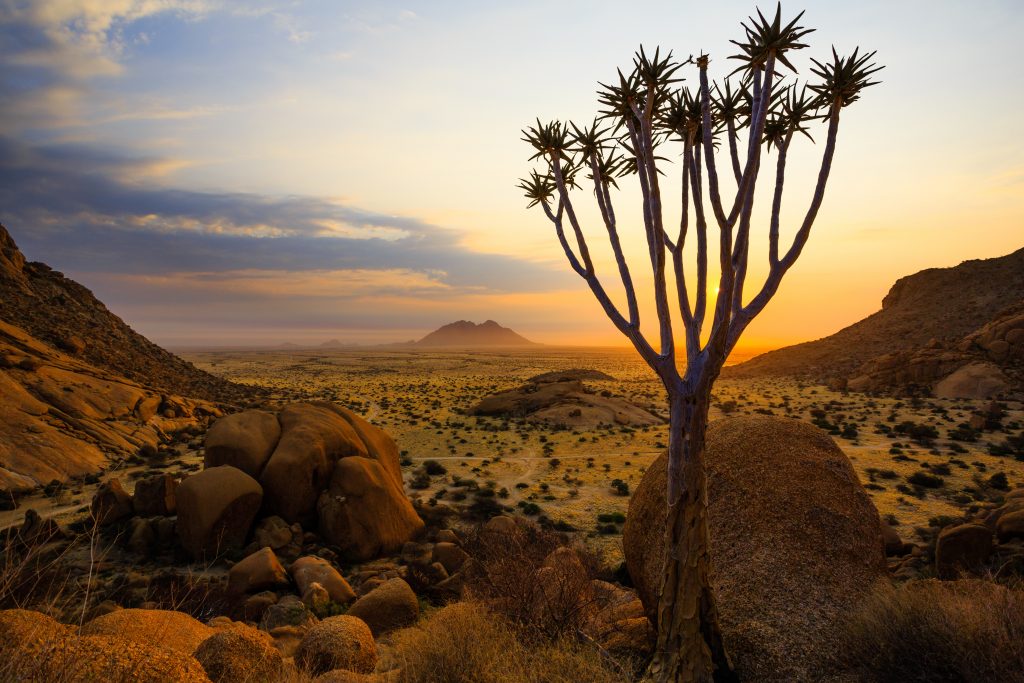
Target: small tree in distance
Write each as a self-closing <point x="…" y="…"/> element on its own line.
<point x="642" y="113"/>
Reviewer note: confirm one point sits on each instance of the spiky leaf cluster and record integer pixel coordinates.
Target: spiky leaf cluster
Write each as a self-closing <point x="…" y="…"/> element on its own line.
<point x="548" y="140"/>
<point x="764" y="38"/>
<point x="733" y="106"/>
<point x="844" y="78"/>
<point x="537" y="188"/>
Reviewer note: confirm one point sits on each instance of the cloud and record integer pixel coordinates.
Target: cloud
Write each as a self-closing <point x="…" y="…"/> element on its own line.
<point x="51" y="51"/>
<point x="168" y="253"/>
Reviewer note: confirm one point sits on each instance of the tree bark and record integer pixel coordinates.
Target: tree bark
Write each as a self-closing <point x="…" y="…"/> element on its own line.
<point x="690" y="647"/>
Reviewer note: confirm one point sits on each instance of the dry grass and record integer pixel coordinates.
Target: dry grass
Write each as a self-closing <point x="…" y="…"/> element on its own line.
<point x="465" y="643"/>
<point x="925" y="631"/>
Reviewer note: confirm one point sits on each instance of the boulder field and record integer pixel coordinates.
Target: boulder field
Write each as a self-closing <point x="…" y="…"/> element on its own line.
<point x="795" y="543"/>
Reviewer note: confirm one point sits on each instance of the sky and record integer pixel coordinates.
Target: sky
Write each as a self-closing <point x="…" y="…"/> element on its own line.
<point x="224" y="173"/>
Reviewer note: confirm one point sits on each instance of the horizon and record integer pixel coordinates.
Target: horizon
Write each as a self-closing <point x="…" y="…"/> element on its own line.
<point x="225" y="175"/>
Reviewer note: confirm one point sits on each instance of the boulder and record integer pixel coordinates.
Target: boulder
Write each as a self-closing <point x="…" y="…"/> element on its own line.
<point x="451" y="556"/>
<point x="216" y="508"/>
<point x="960" y="548"/>
<point x="312" y="569"/>
<point x="342" y="642"/>
<point x="240" y="655"/>
<point x="365" y="511"/>
<point x="1011" y="525"/>
<point x="316" y="599"/>
<point x="272" y="532"/>
<point x="105" y="658"/>
<point x="389" y="606"/>
<point x="175" y="631"/>
<point x="975" y="380"/>
<point x="244" y="440"/>
<point x="893" y="543"/>
<point x="313" y="438"/>
<point x="155" y="496"/>
<point x="111" y="503"/>
<point x="795" y="542"/>
<point x="24" y="631"/>
<point x="257" y="572"/>
<point x="289" y="611"/>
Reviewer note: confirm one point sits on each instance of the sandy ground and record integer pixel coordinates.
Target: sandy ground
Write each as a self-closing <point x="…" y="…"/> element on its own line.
<point x="421" y="398"/>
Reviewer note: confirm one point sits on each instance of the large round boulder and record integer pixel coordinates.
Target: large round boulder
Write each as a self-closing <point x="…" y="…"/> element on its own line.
<point x="240" y="655"/>
<point x="796" y="543"/>
<point x="244" y="440"/>
<point x="342" y="642"/>
<point x="391" y="605"/>
<point x="171" y="630"/>
<point x="216" y="508"/>
<point x="365" y="511"/>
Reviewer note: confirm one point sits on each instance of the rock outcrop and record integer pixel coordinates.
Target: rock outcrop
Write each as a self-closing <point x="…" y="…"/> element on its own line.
<point x="564" y="402"/>
<point x="328" y="468"/>
<point x="63" y="418"/>
<point x="64" y="315"/>
<point x="795" y="542"/>
<point x="931" y="324"/>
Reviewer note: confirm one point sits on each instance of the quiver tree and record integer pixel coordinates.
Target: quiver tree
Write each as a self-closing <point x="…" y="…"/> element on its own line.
<point x="643" y="113"/>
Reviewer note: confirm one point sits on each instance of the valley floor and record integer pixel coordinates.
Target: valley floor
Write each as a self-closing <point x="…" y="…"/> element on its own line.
<point x="421" y="399"/>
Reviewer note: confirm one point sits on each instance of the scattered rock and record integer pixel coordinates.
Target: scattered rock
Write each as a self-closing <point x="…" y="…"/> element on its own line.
<point x="391" y="605"/>
<point x="111" y="503"/>
<point x="257" y="572"/>
<point x="311" y="569"/>
<point x="1011" y="525"/>
<point x="155" y="496"/>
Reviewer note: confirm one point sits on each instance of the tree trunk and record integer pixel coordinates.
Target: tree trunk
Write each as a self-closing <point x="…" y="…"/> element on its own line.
<point x="690" y="646"/>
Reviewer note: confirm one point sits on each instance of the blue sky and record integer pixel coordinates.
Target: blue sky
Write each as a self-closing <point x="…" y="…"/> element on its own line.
<point x="256" y="172"/>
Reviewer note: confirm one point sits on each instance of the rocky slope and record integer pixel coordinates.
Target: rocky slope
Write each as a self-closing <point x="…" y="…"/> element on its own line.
<point x="66" y="315"/>
<point x="62" y="418"/>
<point x="932" y="324"/>
<point x="468" y="334"/>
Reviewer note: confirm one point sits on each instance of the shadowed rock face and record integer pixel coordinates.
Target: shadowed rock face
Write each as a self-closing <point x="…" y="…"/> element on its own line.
<point x="567" y="403"/>
<point x="66" y="315"/>
<point x="795" y="542"/>
<point x="931" y="324"/>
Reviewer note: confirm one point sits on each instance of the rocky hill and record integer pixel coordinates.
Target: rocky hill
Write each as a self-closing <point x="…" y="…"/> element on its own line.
<point x="931" y="325"/>
<point x="66" y="315"/>
<point x="468" y="334"/>
<point x="62" y="418"/>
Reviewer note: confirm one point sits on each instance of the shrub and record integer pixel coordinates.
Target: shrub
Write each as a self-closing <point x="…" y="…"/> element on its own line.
<point x="533" y="579"/>
<point x="434" y="468"/>
<point x="968" y="630"/>
<point x="928" y="481"/>
<point x="465" y="643"/>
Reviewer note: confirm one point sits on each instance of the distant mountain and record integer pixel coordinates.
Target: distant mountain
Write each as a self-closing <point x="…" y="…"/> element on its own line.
<point x="66" y="315"/>
<point x="963" y="322"/>
<point x="468" y="334"/>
